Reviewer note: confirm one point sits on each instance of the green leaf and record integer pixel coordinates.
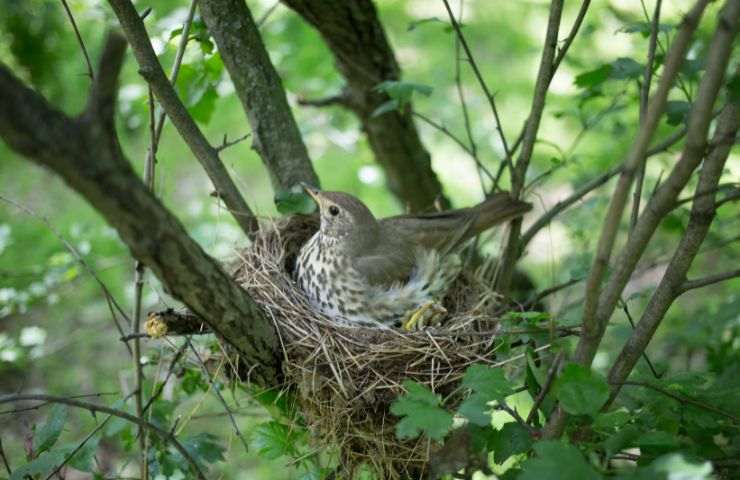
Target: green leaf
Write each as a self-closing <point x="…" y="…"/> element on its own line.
<point x="421" y="413"/>
<point x="611" y="420"/>
<point x="475" y="408"/>
<point x="645" y="28"/>
<point x="193" y="380"/>
<point x="581" y="391"/>
<point x="593" y="78"/>
<point x="289" y="202"/>
<point x="625" y="67"/>
<point x="488" y="381"/>
<point x="45" y="437"/>
<point x="204" y="447"/>
<point x="400" y="93"/>
<point x="677" y="111"/>
<point x="657" y="440"/>
<point x="488" y="384"/>
<point x="42" y="466"/>
<point x="677" y="468"/>
<point x="557" y="460"/>
<point x="389" y="106"/>
<point x="274" y="440"/>
<point x="512" y="439"/>
<point x="82" y="460"/>
<point x="624" y="438"/>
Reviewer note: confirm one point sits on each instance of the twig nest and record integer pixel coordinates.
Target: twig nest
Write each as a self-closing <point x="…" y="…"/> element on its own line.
<point x="346" y="377"/>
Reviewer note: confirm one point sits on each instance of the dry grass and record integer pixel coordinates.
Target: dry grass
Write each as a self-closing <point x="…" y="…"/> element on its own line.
<point x="347" y="377"/>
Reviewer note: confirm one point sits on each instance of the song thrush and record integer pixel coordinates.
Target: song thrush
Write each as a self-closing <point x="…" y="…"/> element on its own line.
<point x="369" y="272"/>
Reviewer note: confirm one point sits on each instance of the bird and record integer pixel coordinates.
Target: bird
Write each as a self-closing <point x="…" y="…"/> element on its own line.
<point x="363" y="271"/>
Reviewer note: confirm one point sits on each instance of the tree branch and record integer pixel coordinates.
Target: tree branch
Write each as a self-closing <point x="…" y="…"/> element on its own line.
<point x="512" y="244"/>
<point x="275" y="135"/>
<point x="92" y="407"/>
<point x="665" y="196"/>
<point x="564" y="204"/>
<point x="644" y="97"/>
<point x="481" y="81"/>
<point x="85" y="152"/>
<point x="365" y="58"/>
<point x="674" y="279"/>
<point x="708" y="280"/>
<point x="151" y="70"/>
<point x="592" y="327"/>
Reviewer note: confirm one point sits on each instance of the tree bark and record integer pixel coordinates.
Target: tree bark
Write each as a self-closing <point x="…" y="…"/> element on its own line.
<point x="674" y="278"/>
<point x="512" y="244"/>
<point x="363" y="55"/>
<point x="151" y="70"/>
<point x="276" y="137"/>
<point x="85" y="152"/>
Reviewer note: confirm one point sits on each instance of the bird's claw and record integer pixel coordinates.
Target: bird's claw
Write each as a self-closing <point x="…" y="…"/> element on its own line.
<point x="427" y="314"/>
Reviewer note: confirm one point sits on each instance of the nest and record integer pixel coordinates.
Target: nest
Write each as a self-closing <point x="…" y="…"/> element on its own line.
<point x="346" y="377"/>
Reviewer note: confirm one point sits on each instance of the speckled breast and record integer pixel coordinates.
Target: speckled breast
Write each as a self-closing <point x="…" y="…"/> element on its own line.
<point x="331" y="284"/>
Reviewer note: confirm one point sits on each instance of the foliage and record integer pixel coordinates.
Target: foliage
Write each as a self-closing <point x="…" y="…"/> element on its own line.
<point x="58" y="334"/>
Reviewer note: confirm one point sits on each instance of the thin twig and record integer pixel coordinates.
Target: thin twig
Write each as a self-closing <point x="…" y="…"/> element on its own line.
<point x="92" y="407"/>
<point x="539" y="296"/>
<point x="551" y="373"/>
<point x="113" y="305"/>
<point x="226" y="143"/>
<point x="562" y="52"/>
<point x="482" y="82"/>
<point x="679" y="398"/>
<point x="708" y="280"/>
<point x="515" y="415"/>
<point x="79" y="40"/>
<point x="5" y="459"/>
<point x="626" y="310"/>
<point x="220" y="397"/>
<point x="79" y="447"/>
<point x="644" y="97"/>
<point x="466" y="114"/>
<point x="170" y="372"/>
<point x="564" y="204"/>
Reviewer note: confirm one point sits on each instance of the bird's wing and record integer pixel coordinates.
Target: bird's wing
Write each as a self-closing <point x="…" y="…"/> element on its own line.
<point x="445" y="230"/>
<point x="386" y="266"/>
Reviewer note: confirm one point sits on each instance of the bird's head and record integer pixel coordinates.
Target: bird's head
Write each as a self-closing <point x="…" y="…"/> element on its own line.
<point x="343" y="217"/>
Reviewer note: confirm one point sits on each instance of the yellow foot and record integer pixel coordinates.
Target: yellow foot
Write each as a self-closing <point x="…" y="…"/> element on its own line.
<point x="425" y="315"/>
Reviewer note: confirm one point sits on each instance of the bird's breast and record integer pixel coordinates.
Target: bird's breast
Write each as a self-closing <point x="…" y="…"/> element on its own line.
<point x="330" y="282"/>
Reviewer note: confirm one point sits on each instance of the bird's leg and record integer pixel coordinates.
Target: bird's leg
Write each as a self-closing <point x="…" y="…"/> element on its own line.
<point x="423" y="316"/>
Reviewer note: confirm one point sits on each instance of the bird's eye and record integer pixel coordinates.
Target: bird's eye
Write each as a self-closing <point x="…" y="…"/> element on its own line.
<point x="334" y="210"/>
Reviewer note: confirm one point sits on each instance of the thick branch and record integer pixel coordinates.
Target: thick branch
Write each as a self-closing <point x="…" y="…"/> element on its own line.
<point x="674" y="59"/>
<point x="593" y="329"/>
<point x="90" y="160"/>
<point x="661" y="203"/>
<point x="364" y="57"/>
<point x="275" y="135"/>
<point x="512" y="245"/>
<point x="152" y="71"/>
<point x="674" y="282"/>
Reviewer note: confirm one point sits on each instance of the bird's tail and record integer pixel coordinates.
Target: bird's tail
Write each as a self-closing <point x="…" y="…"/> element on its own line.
<point x="498" y="208"/>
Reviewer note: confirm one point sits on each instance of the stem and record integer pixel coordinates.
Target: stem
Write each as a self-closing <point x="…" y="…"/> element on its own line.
<point x="92" y="407"/>
<point x="644" y="96"/>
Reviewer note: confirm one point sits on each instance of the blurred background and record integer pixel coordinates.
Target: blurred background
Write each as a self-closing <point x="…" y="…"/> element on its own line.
<point x="56" y="333"/>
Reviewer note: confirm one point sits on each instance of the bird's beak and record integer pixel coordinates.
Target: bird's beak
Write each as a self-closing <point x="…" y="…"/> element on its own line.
<point x="314" y="192"/>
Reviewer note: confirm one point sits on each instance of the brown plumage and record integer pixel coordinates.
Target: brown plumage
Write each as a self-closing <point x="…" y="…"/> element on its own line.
<point x="363" y="269"/>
